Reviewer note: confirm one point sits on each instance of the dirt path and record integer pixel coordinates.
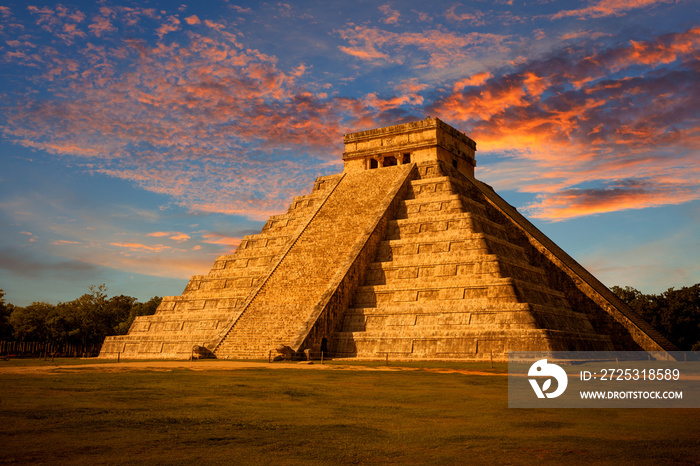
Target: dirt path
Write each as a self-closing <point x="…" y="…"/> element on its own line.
<point x="213" y="365"/>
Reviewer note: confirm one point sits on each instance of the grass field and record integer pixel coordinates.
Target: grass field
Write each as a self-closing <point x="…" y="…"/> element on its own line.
<point x="84" y="415"/>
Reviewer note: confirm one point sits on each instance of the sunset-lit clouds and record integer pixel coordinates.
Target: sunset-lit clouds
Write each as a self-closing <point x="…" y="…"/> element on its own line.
<point x="173" y="235"/>
<point x="627" y="194"/>
<point x="207" y="98"/>
<point x="232" y="110"/>
<point x="221" y="239"/>
<point x="210" y="98"/>
<point x="473" y="17"/>
<point x="141" y="247"/>
<point x="390" y="16"/>
<point x="609" y="8"/>
<point x="191" y="20"/>
<point x="583" y="123"/>
<point x="436" y="48"/>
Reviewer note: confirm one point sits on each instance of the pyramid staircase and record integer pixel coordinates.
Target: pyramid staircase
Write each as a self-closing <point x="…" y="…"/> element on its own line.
<point x="316" y="264"/>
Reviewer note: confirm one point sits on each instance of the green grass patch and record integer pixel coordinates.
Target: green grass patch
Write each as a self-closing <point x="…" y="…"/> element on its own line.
<point x="297" y="416"/>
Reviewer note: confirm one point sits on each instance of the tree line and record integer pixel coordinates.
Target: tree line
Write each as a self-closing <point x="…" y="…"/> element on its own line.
<point x="674" y="313"/>
<point x="87" y="320"/>
<point x="82" y="323"/>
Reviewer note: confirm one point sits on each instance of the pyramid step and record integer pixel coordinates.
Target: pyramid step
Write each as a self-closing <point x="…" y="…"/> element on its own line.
<point x="179" y="327"/>
<point x="152" y="347"/>
<point x="466" y="259"/>
<point x="445" y="282"/>
<point x="201" y="305"/>
<point x="450" y="243"/>
<point x="462" y="306"/>
<point x="457" y="288"/>
<point x="378" y="295"/>
<point x="395" y="318"/>
<point x="237" y="272"/>
<point x="460" y="219"/>
<point x="444" y="265"/>
<point x="478" y="343"/>
<point x="436" y="183"/>
<point x="247" y="258"/>
<point x="431" y="224"/>
<point x="264" y="241"/>
<point x="206" y="283"/>
<point x="443" y="204"/>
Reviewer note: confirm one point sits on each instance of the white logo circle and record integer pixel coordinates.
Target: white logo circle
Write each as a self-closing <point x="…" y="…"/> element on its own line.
<point x="542" y="369"/>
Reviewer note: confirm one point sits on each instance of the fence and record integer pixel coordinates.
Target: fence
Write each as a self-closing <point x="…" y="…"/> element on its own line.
<point x="35" y="349"/>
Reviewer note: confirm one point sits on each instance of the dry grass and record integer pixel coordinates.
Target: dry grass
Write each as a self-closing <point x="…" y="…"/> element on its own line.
<point x="298" y="416"/>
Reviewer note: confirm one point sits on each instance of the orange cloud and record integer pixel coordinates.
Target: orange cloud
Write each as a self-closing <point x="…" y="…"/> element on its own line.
<point x="61" y="242"/>
<point x="475" y="18"/>
<point x="441" y="47"/>
<point x="171" y="25"/>
<point x="141" y="247"/>
<point x="180" y="237"/>
<point x="173" y="235"/>
<point x="574" y="124"/>
<point x="206" y="137"/>
<point x="631" y="195"/>
<point x="390" y="16"/>
<point x="221" y="239"/>
<point x="192" y="20"/>
<point x="387" y="104"/>
<point x="609" y="8"/>
<point x="476" y="80"/>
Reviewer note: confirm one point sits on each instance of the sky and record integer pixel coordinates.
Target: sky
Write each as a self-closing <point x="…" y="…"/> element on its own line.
<point x="140" y="140"/>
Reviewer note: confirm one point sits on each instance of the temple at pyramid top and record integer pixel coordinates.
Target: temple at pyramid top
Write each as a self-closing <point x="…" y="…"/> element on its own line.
<point x="419" y="142"/>
<point x="406" y="255"/>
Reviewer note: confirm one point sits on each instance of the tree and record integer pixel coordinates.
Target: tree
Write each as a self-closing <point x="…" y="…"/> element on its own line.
<point x="117" y="310"/>
<point x="5" y="311"/>
<point x="29" y="323"/>
<point x="86" y="317"/>
<point x="681" y="318"/>
<point x="674" y="313"/>
<point x="138" y="309"/>
<point x="85" y="321"/>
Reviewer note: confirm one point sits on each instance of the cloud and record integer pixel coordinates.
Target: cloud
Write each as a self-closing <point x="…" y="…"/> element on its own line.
<point x="475" y="18"/>
<point x="171" y="25"/>
<point x="173" y="235"/>
<point x="624" y="195"/>
<point x="221" y="239"/>
<point x="220" y="127"/>
<point x="439" y="48"/>
<point x="20" y="264"/>
<point x="390" y="16"/>
<point x="605" y="8"/>
<point x="603" y="119"/>
<point x="61" y="242"/>
<point x="477" y="79"/>
<point x="101" y="25"/>
<point x="180" y="237"/>
<point x="141" y="247"/>
<point x="206" y="138"/>
<point x="192" y="20"/>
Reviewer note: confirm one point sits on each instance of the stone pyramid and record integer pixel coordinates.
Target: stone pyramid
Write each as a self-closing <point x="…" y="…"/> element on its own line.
<point x="403" y="254"/>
